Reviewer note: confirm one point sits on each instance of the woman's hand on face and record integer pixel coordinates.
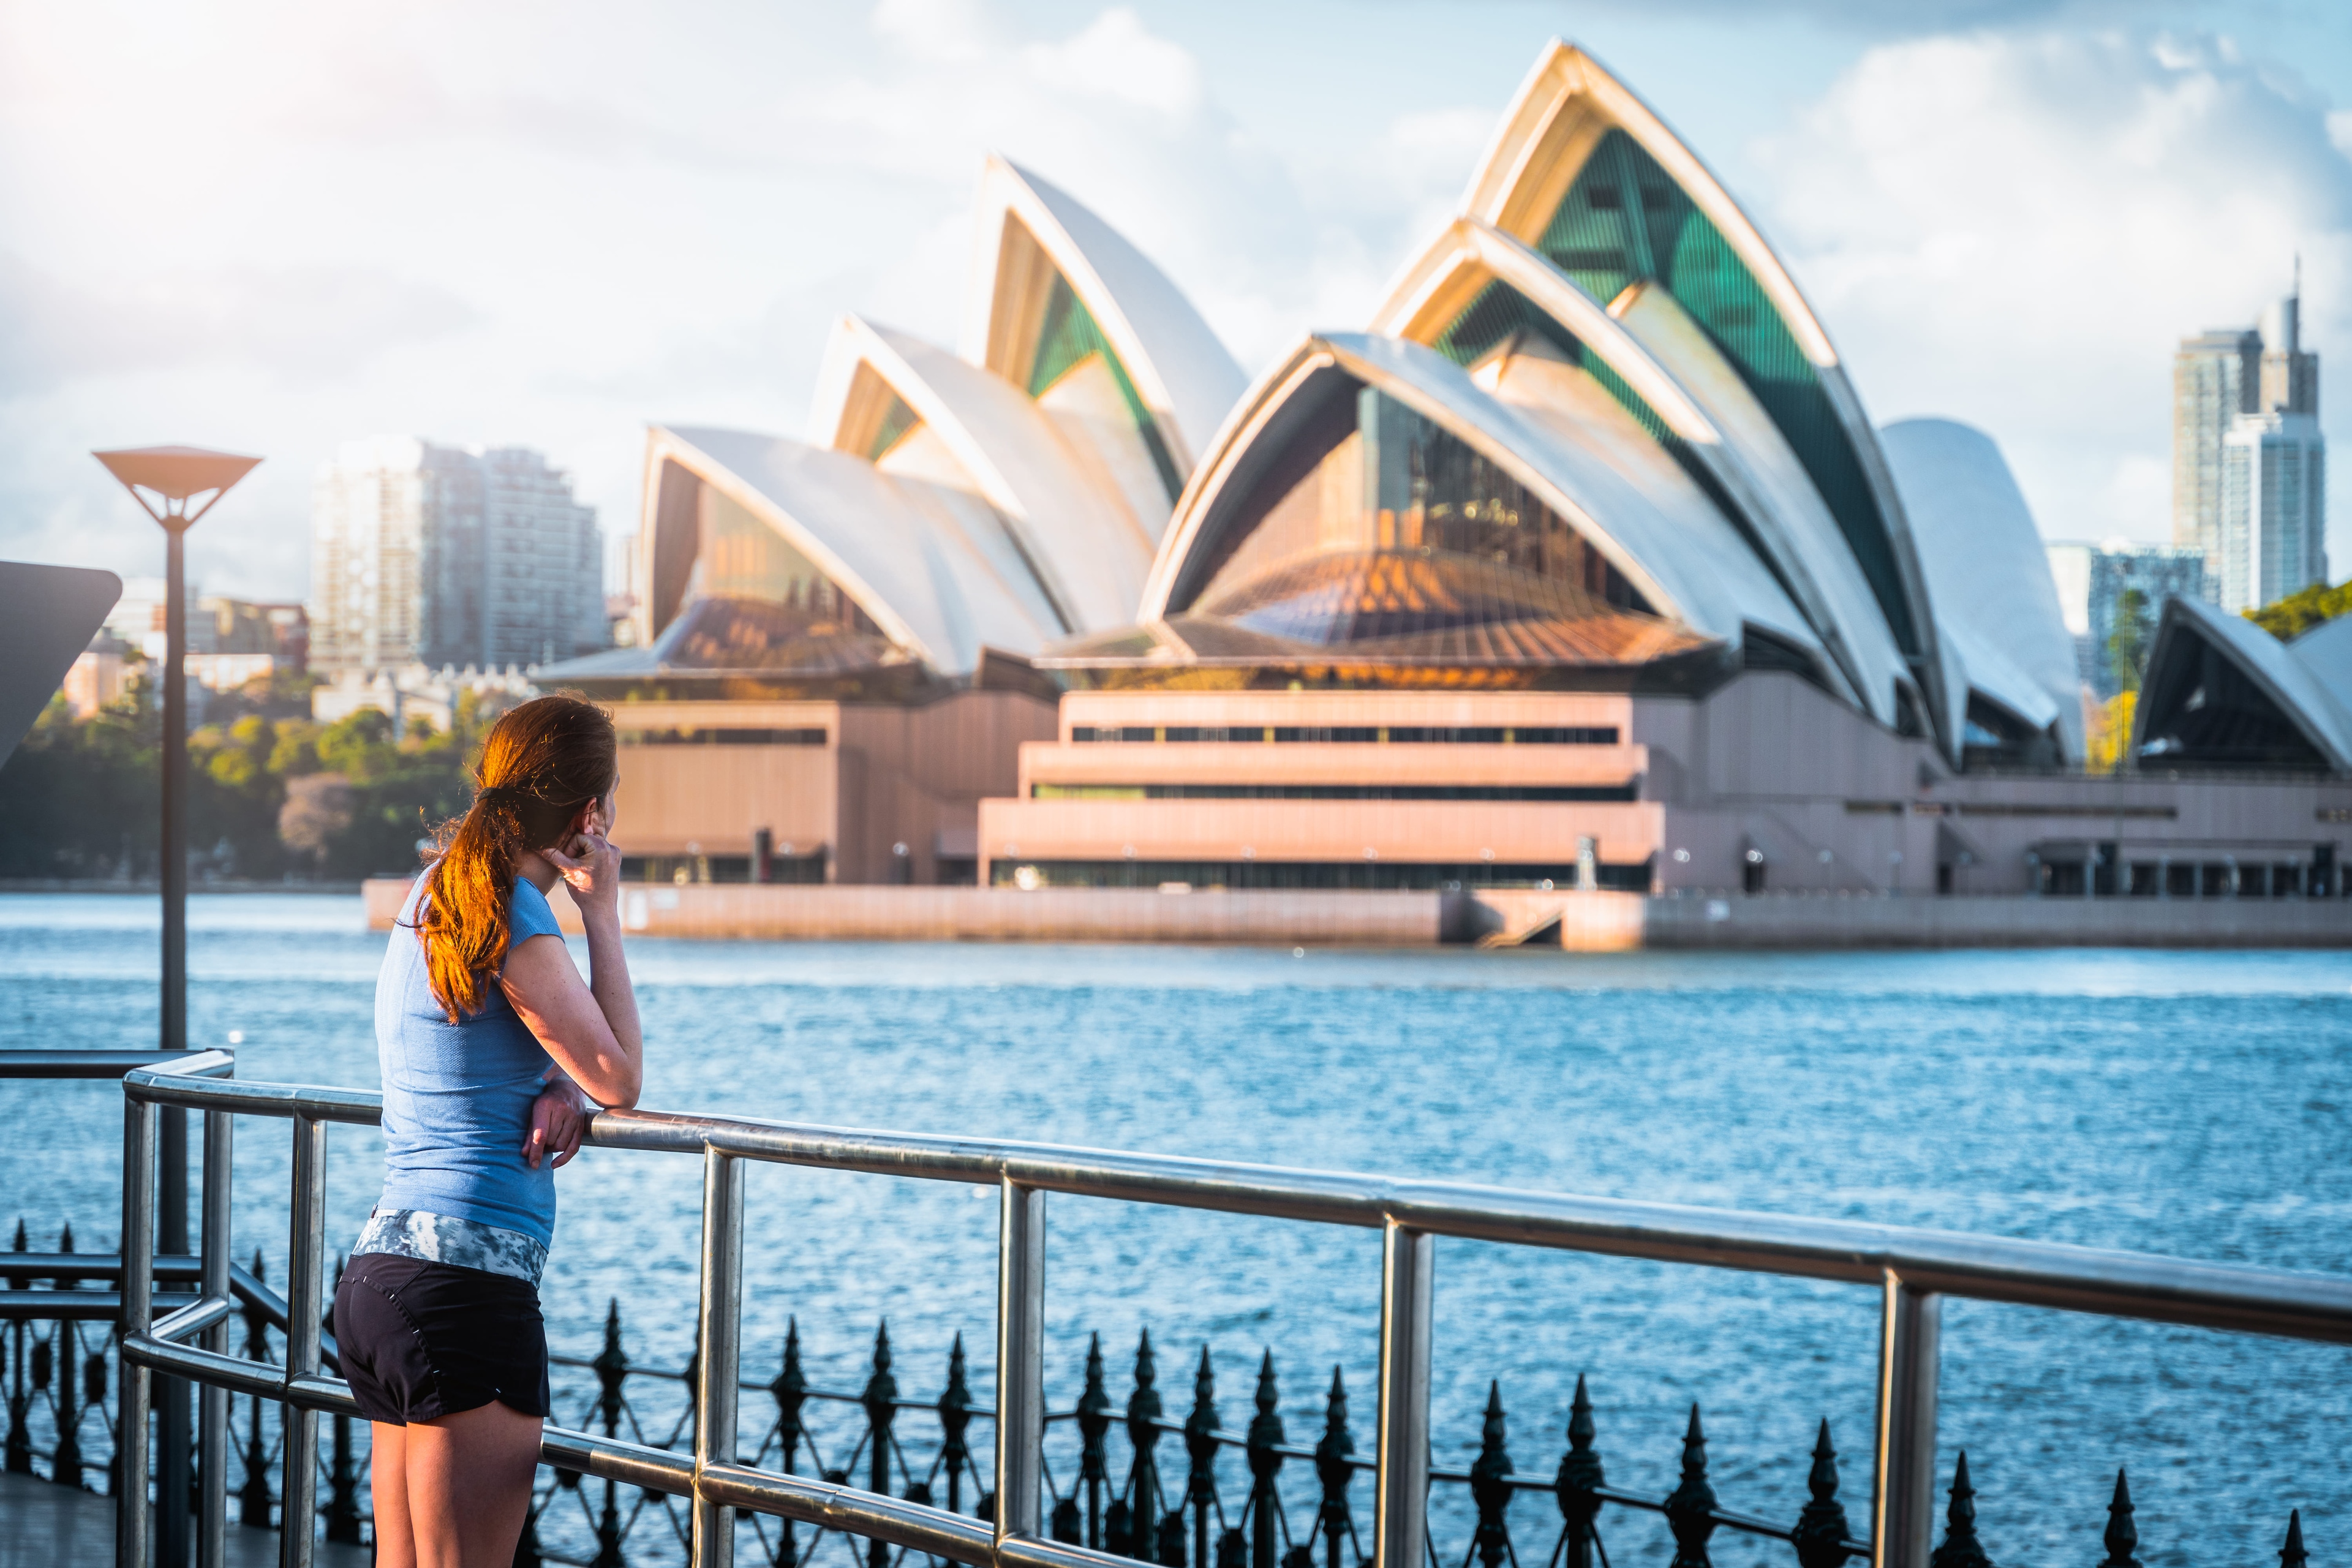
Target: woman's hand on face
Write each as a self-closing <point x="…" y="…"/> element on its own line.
<point x="591" y="867"/>
<point x="559" y="1118"/>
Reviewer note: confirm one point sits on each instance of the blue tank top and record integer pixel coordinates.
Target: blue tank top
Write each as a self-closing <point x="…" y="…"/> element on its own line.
<point x="457" y="1097"/>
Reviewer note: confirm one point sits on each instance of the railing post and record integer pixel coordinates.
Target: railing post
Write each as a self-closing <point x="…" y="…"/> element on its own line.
<point x="717" y="1351"/>
<point x="306" y="1256"/>
<point x="1903" y="1503"/>
<point x="133" y="1522"/>
<point x="212" y="1401"/>
<point x="171" y="1393"/>
<point x="1400" y="1478"/>
<point x="1020" y="1358"/>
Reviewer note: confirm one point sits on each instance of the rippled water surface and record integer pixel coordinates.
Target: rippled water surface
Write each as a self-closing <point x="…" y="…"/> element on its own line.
<point x="2189" y="1103"/>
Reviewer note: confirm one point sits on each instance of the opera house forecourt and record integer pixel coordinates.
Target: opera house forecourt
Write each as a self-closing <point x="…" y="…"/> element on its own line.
<point x="1580" y="566"/>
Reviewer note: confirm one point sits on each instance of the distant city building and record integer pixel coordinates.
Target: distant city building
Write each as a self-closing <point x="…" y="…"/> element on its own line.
<point x="414" y="695"/>
<point x="451" y="556"/>
<point x="99" y="678"/>
<point x="2249" y="463"/>
<point x="2092" y="580"/>
<point x="230" y="641"/>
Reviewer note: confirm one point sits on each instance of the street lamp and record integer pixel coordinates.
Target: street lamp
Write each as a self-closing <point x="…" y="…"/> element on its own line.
<point x="175" y="475"/>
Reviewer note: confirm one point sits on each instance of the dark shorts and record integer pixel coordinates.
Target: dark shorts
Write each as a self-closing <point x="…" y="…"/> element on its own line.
<point x="419" y="1341"/>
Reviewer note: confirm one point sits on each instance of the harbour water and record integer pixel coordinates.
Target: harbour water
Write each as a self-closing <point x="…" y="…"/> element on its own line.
<point x="2182" y="1102"/>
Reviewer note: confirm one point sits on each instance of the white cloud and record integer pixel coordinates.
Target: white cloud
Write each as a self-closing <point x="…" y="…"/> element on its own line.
<point x="1116" y="57"/>
<point x="2015" y="230"/>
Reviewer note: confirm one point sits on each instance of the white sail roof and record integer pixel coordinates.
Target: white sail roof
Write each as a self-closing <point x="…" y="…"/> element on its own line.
<point x="1182" y="372"/>
<point x="1562" y="116"/>
<point x="1688" y="562"/>
<point x="1988" y="571"/>
<point x="898" y="546"/>
<point x="1084" y="544"/>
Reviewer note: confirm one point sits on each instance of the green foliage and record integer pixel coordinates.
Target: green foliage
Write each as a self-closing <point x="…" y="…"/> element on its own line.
<point x="2128" y="644"/>
<point x="78" y="795"/>
<point x="2290" y="618"/>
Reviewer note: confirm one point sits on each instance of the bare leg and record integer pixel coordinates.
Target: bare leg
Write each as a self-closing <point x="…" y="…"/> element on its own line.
<point x="396" y="1545"/>
<point x="470" y="1486"/>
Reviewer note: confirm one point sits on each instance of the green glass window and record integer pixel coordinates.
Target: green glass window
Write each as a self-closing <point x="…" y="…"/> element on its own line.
<point x="1066" y="339"/>
<point x="1625" y="221"/>
<point x="899" y="421"/>
<point x="1501" y="311"/>
<point x="1386" y="534"/>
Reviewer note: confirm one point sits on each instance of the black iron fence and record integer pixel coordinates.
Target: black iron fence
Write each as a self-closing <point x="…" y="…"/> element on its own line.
<point x="1112" y="1469"/>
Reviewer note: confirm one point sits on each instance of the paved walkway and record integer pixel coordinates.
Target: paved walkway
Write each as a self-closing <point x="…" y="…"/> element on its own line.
<point x="46" y="1526"/>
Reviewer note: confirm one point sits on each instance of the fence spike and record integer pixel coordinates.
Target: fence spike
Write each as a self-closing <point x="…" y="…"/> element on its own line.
<point x="22" y="1243"/>
<point x="880" y="1399"/>
<point x="2122" y="1535"/>
<point x="1094" y="1425"/>
<point x="955" y="1414"/>
<point x="612" y="1368"/>
<point x="1332" y="1468"/>
<point x="1490" y="1484"/>
<point x="1690" y="1508"/>
<point x="1961" y="1549"/>
<point x="1201" y="1448"/>
<point x="1580" y="1480"/>
<point x="2292" y="1555"/>
<point x="1821" y="1532"/>
<point x="1265" y="1439"/>
<point x="1143" y="1489"/>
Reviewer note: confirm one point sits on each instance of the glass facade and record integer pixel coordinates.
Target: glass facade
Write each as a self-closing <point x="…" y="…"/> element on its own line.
<point x="1501" y="313"/>
<point x="1068" y="339"/>
<point x="1388" y="535"/>
<point x="756" y="604"/>
<point x="899" y="421"/>
<point x="1625" y="221"/>
<point x="2199" y="709"/>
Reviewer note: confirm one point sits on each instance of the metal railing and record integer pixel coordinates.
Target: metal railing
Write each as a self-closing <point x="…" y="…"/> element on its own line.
<point x="1914" y="1269"/>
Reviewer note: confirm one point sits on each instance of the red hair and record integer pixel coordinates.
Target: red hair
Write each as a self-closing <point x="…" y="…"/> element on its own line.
<point x="542" y="762"/>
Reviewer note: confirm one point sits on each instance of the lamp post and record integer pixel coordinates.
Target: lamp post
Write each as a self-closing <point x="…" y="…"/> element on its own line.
<point x="175" y="475"/>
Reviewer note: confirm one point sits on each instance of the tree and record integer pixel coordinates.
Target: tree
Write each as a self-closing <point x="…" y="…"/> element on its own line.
<point x="2128" y="644"/>
<point x="2290" y="618"/>
<point x="81" y="798"/>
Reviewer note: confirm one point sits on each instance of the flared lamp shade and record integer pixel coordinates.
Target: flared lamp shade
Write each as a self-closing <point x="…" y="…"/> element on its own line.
<point x="175" y="473"/>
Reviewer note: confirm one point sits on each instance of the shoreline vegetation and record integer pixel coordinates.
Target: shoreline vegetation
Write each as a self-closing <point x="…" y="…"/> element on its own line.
<point x="277" y="802"/>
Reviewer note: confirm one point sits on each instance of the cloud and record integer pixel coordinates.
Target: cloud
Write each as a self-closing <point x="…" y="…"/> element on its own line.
<point x="313" y="322"/>
<point x="1115" y="57"/>
<point x="2017" y="230"/>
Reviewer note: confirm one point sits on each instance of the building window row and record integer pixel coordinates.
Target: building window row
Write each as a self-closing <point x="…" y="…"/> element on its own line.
<point x="1309" y="875"/>
<point x="699" y="737"/>
<point x="1616" y="791"/>
<point x="1352" y="735"/>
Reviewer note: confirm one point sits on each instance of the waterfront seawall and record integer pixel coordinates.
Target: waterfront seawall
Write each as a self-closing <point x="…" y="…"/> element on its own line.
<point x="1592" y="922"/>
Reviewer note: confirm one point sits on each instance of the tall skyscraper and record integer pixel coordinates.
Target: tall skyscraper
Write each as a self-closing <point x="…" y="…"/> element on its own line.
<point x="447" y="556"/>
<point x="2249" y="463"/>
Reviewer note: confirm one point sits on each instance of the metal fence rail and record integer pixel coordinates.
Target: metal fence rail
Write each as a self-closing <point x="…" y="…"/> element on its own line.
<point x="1913" y="1268"/>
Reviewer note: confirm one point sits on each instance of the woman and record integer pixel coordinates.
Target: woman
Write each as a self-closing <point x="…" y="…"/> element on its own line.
<point x="494" y="1054"/>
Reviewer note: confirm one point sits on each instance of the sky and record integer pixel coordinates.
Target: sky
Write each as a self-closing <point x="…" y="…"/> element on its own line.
<point x="273" y="225"/>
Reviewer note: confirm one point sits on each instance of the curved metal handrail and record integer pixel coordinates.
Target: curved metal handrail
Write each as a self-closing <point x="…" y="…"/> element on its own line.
<point x="1915" y="1268"/>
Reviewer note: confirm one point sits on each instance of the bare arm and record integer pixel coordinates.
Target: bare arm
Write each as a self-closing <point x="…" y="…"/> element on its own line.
<point x="589" y="1027"/>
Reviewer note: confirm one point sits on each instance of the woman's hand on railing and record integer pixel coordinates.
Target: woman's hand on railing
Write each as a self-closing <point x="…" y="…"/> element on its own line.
<point x="559" y="1116"/>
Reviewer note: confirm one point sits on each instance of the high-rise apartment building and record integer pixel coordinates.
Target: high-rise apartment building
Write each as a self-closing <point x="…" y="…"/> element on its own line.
<point x="2092" y="580"/>
<point x="2249" y="464"/>
<point x="447" y="556"/>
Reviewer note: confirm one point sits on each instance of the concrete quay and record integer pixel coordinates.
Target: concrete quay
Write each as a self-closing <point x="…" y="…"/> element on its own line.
<point x="1592" y="922"/>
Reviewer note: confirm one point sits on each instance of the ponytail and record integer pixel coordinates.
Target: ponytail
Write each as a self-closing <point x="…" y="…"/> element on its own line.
<point x="543" y="762"/>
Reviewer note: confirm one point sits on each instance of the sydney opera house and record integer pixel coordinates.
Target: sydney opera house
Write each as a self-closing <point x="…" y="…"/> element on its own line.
<point x="1579" y="564"/>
